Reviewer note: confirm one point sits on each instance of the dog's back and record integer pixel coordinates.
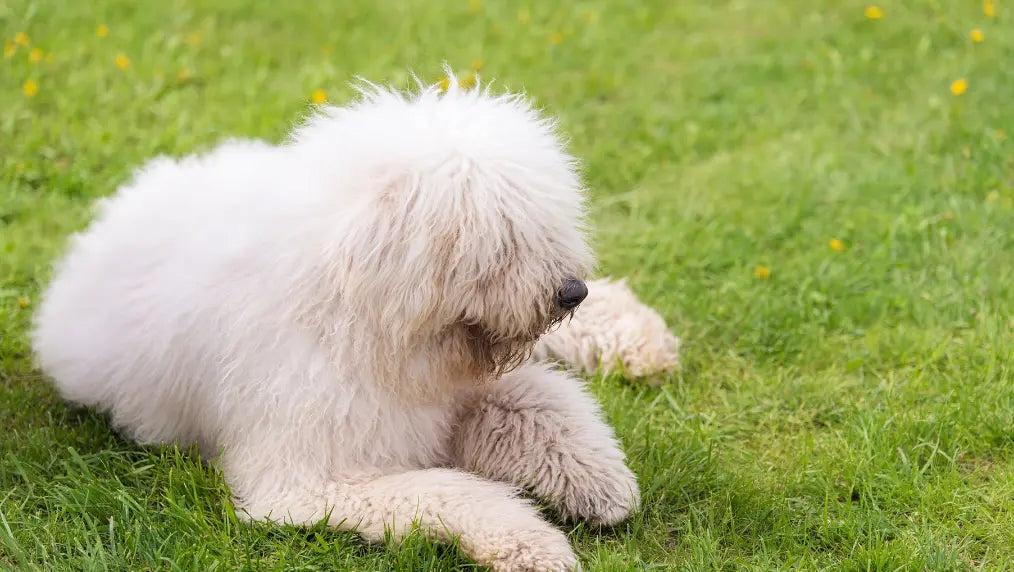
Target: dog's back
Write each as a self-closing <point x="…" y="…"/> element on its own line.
<point x="114" y="325"/>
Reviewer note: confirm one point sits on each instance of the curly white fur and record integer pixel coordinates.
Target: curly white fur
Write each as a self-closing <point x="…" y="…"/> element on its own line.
<point x="345" y="318"/>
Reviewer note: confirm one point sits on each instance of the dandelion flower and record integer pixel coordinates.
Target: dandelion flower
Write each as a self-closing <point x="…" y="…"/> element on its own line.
<point x="959" y="86"/>
<point x="30" y="88"/>
<point x="989" y="8"/>
<point x="21" y="39"/>
<point x="837" y="245"/>
<point x="35" y="55"/>
<point x="976" y="35"/>
<point x="102" y="31"/>
<point x="556" y="38"/>
<point x="319" y="97"/>
<point x="24" y="301"/>
<point x="524" y="17"/>
<point x="762" y="272"/>
<point x="122" y="62"/>
<point x="9" y="49"/>
<point x="874" y="13"/>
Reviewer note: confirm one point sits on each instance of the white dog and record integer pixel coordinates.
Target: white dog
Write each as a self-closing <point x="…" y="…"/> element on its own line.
<point x="346" y="318"/>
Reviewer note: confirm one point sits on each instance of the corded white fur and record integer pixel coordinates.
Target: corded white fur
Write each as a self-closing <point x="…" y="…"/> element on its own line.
<point x="345" y="318"/>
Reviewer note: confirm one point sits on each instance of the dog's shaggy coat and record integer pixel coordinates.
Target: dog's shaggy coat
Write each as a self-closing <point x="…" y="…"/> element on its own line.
<point x="346" y="318"/>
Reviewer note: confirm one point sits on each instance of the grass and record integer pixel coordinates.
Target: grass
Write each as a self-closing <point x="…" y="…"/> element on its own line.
<point x="846" y="410"/>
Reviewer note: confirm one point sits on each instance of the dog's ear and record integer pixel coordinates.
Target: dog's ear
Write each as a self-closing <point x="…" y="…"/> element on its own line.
<point x="399" y="261"/>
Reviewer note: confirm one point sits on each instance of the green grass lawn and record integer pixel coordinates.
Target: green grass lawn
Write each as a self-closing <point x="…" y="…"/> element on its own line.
<point x="844" y="405"/>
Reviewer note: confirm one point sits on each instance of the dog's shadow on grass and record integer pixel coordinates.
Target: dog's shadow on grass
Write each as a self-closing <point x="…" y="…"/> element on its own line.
<point x="93" y="430"/>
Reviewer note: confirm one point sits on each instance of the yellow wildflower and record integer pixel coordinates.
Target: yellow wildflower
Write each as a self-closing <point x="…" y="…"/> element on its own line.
<point x="762" y="272"/>
<point x="319" y="97"/>
<point x="959" y="86"/>
<point x="976" y="35"/>
<point x="21" y="39"/>
<point x="194" y="39"/>
<point x="102" y="31"/>
<point x="477" y="64"/>
<point x="9" y="49"/>
<point x="30" y="88"/>
<point x="556" y="38"/>
<point x="183" y="75"/>
<point x="993" y="196"/>
<point x="837" y="245"/>
<point x="122" y="62"/>
<point x="874" y="12"/>
<point x="469" y="81"/>
<point x="524" y="17"/>
<point x="474" y="6"/>
<point x="23" y="301"/>
<point x="35" y="55"/>
<point x="989" y="8"/>
<point x="444" y="83"/>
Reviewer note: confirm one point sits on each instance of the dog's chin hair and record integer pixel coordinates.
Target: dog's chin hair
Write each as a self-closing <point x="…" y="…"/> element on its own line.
<point x="507" y="357"/>
<point x="495" y="354"/>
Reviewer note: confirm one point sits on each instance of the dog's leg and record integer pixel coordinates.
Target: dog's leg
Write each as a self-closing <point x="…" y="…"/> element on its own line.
<point x="493" y="525"/>
<point x="541" y="429"/>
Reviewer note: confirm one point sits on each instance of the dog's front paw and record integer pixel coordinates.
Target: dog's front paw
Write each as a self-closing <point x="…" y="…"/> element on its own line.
<point x="603" y="495"/>
<point x="530" y="551"/>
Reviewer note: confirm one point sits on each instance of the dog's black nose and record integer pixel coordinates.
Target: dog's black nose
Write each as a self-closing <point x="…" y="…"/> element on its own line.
<point x="573" y="293"/>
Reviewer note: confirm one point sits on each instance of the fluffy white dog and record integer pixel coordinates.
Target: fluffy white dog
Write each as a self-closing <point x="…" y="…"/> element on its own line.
<point x="345" y="318"/>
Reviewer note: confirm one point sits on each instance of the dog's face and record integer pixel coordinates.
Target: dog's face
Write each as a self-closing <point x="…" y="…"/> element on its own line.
<point x="473" y="244"/>
<point x="514" y="290"/>
<point x="503" y="269"/>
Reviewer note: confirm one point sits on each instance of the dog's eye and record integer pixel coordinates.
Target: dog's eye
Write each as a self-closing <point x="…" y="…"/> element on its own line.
<point x="475" y="330"/>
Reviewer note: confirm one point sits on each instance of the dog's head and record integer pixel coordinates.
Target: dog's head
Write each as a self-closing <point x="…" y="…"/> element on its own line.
<point x="467" y="238"/>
